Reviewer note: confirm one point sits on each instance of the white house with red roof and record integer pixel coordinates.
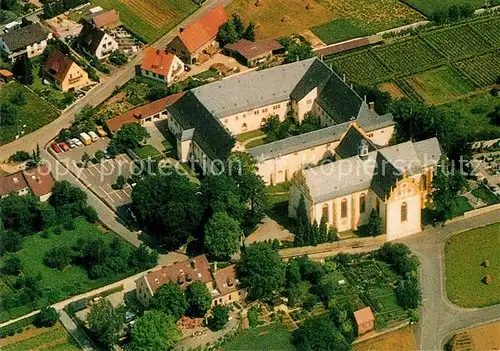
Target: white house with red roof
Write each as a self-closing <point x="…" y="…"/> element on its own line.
<point x="162" y="66"/>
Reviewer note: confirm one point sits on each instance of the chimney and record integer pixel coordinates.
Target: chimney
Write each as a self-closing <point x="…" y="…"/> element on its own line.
<point x="371" y="104"/>
<point x="181" y="29"/>
<point x="157" y="52"/>
<point x="215" y="266"/>
<point x="229" y="282"/>
<point x="193" y="264"/>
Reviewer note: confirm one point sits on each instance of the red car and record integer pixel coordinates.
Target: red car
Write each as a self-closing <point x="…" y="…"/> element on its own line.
<point x="55" y="147"/>
<point x="64" y="146"/>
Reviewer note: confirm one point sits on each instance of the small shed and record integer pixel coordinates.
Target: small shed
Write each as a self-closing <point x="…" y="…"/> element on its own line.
<point x="6" y="76"/>
<point x="364" y="320"/>
<point x="251" y="53"/>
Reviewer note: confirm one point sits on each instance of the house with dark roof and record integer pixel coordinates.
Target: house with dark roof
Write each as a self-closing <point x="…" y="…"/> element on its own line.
<point x="161" y="65"/>
<point x="253" y="53"/>
<point x="103" y="19"/>
<point x="65" y="74"/>
<point x="207" y="118"/>
<point x="198" y="36"/>
<point x="30" y="40"/>
<point x="393" y="182"/>
<point x="96" y="42"/>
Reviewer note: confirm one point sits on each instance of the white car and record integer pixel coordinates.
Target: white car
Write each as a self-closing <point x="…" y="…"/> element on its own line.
<point x="77" y="142"/>
<point x="71" y="143"/>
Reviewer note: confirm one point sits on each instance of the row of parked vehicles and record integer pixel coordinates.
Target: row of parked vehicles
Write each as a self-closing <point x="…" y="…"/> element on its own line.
<point x="85" y="139"/>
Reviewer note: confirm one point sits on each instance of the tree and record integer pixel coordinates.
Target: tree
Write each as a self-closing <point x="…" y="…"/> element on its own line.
<point x="158" y="92"/>
<point x="19" y="213"/>
<point x="118" y="58"/>
<point x="374" y="226"/>
<point x="297" y="293"/>
<point x="382" y="99"/>
<point x="130" y="136"/>
<point x="170" y="299"/>
<point x="143" y="258"/>
<point x="120" y="182"/>
<point x="495" y="116"/>
<point x="408" y="293"/>
<point x="220" y="193"/>
<point x="297" y="48"/>
<point x="18" y="98"/>
<point x="319" y="333"/>
<point x="198" y="299"/>
<point x="99" y="155"/>
<point x="9" y="114"/>
<point x="12" y="265"/>
<point x="10" y="241"/>
<point x="219" y="318"/>
<point x="310" y="123"/>
<point x="227" y="34"/>
<point x="169" y="207"/>
<point x="222" y="234"/>
<point x="303" y="224"/>
<point x="47" y="317"/>
<point x="64" y="193"/>
<point x="238" y="25"/>
<point x="323" y="230"/>
<point x="105" y="322"/>
<point x="250" y="32"/>
<point x="332" y="235"/>
<point x="400" y="256"/>
<point x="85" y="159"/>
<point x="154" y="331"/>
<point x="23" y="71"/>
<point x="261" y="270"/>
<point x="59" y="257"/>
<point x="19" y="156"/>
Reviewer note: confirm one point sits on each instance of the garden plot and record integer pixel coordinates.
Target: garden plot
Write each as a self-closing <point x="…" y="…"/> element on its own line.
<point x="483" y="70"/>
<point x="361" y="67"/>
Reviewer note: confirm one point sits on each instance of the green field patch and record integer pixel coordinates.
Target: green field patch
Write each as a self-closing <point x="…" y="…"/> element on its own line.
<point x="440" y="84"/>
<point x="53" y="339"/>
<point x="338" y="30"/>
<point x="465" y="253"/>
<point x="490" y="30"/>
<point x="34" y="114"/>
<point x="457" y="42"/>
<point x="429" y="6"/>
<point x="147" y="151"/>
<point x="361" y="67"/>
<point x="408" y="56"/>
<point x="483" y="70"/>
<point x="271" y="337"/>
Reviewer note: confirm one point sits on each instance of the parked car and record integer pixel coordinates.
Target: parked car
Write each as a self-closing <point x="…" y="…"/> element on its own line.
<point x="70" y="143"/>
<point x="85" y="138"/>
<point x="107" y="155"/>
<point x="93" y="136"/>
<point x="56" y="147"/>
<point x="64" y="146"/>
<point x="77" y="142"/>
<point x="101" y="131"/>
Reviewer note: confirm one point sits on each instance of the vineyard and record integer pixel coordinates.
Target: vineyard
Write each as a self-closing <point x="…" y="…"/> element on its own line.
<point x="434" y="66"/>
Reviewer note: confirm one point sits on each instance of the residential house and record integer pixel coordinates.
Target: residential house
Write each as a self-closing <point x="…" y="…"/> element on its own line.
<point x="103" y="19"/>
<point x="65" y="74"/>
<point x="182" y="273"/>
<point x="393" y="181"/>
<point x="149" y="113"/>
<point x="30" y="40"/>
<point x="96" y="42"/>
<point x="162" y="66"/>
<point x="37" y="181"/>
<point x="253" y="53"/>
<point x="227" y="287"/>
<point x="207" y="119"/>
<point x="364" y="320"/>
<point x="199" y="36"/>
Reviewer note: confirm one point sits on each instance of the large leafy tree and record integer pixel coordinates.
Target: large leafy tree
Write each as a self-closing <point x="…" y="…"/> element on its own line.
<point x="198" y="299"/>
<point x="219" y="318"/>
<point x="154" y="331"/>
<point x="220" y="193"/>
<point x="319" y="333"/>
<point x="9" y="114"/>
<point x="65" y="193"/>
<point x="105" y="322"/>
<point x="22" y="69"/>
<point x="19" y="213"/>
<point x="374" y="226"/>
<point x="297" y="48"/>
<point x="130" y="136"/>
<point x="408" y="293"/>
<point x="169" y="207"/>
<point x="170" y="299"/>
<point x="261" y="270"/>
<point x="222" y="235"/>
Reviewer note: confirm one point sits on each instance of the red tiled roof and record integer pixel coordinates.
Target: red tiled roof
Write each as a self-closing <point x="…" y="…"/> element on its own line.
<point x="144" y="111"/>
<point x="5" y="73"/>
<point x="157" y="61"/>
<point x="39" y="180"/>
<point x="57" y="65"/>
<point x="182" y="273"/>
<point x="105" y="19"/>
<point x="205" y="29"/>
<point x="250" y="49"/>
<point x="12" y="183"/>
<point x="225" y="280"/>
<point x="364" y="315"/>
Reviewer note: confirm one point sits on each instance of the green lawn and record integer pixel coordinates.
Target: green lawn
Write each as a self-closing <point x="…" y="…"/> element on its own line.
<point x="429" y="6"/>
<point x="57" y="284"/>
<point x="272" y="337"/>
<point x="254" y="143"/>
<point x="338" y="30"/>
<point x="249" y="135"/>
<point x="462" y="206"/>
<point x="465" y="253"/>
<point x="486" y="195"/>
<point x="52" y="339"/>
<point x="148" y="151"/>
<point x="150" y="19"/>
<point x="34" y="114"/>
<point x="49" y="93"/>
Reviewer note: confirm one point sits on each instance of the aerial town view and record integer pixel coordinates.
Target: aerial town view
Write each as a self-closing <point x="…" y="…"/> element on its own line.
<point x="250" y="175"/>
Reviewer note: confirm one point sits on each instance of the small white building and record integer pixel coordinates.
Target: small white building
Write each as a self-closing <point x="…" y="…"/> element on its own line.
<point x="96" y="42"/>
<point x="162" y="66"/>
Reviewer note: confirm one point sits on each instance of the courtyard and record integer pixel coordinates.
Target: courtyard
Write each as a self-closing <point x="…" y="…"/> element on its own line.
<point x="466" y="270"/>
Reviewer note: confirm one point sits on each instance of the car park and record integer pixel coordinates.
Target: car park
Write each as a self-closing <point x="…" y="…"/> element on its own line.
<point x="64" y="146"/>
<point x="77" y="142"/>
<point x="101" y="131"/>
<point x="56" y="147"/>
<point x="71" y="143"/>
<point x="85" y="138"/>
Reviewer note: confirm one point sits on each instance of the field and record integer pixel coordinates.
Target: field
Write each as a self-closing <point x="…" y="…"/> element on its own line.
<point x="489" y="29"/>
<point x="429" y="6"/>
<point x="51" y="339"/>
<point x="149" y="19"/>
<point x="361" y="67"/>
<point x="483" y="70"/>
<point x="147" y="151"/>
<point x="439" y="85"/>
<point x="34" y="114"/>
<point x="272" y="337"/>
<point x="57" y="284"/>
<point x="330" y="20"/>
<point x="465" y="254"/>
<point x="399" y="340"/>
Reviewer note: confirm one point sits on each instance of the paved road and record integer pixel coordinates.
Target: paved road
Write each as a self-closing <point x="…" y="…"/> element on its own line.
<point x="78" y="334"/>
<point x="440" y="317"/>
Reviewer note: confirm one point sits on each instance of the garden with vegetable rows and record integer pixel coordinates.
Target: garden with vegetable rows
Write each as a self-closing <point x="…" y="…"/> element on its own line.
<point x="467" y="54"/>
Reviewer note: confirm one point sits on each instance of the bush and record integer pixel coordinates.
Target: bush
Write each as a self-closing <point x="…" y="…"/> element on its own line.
<point x="219" y="318"/>
<point x="118" y="58"/>
<point x="12" y="265"/>
<point x="57" y="230"/>
<point x="90" y="214"/>
<point x="20" y="156"/>
<point x="46" y="318"/>
<point x="253" y="316"/>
